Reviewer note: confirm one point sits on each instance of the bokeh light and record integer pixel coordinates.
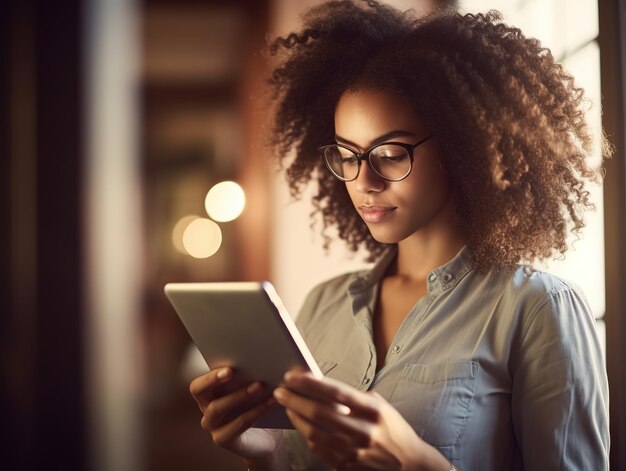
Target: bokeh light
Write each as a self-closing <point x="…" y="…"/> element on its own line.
<point x="179" y="230"/>
<point x="202" y="238"/>
<point x="225" y="201"/>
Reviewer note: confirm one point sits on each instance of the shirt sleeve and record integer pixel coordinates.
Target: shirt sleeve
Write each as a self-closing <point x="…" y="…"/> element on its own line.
<point x="560" y="388"/>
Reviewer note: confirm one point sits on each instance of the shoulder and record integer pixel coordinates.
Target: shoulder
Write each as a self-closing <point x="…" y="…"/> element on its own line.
<point x="536" y="292"/>
<point x="332" y="290"/>
<point x="537" y="285"/>
<point x="531" y="305"/>
<point x="327" y="296"/>
<point x="336" y="287"/>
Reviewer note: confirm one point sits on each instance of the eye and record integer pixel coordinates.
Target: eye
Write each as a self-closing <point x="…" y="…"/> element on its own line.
<point x="346" y="156"/>
<point x="393" y="158"/>
<point x="390" y="154"/>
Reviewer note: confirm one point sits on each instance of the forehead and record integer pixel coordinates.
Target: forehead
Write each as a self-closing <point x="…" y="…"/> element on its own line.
<point x="362" y="116"/>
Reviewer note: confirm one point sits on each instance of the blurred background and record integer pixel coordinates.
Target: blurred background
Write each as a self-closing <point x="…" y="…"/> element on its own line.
<point x="131" y="156"/>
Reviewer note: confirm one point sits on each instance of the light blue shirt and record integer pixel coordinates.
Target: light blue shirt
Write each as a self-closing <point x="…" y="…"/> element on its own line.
<point x="498" y="371"/>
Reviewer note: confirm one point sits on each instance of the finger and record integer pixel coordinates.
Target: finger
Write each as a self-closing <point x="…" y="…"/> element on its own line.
<point x="202" y="386"/>
<point x="327" y="417"/>
<point x="318" y="436"/>
<point x="225" y="434"/>
<point x="337" y="449"/>
<point x="377" y="458"/>
<point x="360" y="403"/>
<point x="216" y="410"/>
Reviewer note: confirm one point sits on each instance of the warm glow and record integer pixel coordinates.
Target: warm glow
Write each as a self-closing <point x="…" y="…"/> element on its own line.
<point x="225" y="201"/>
<point x="202" y="238"/>
<point x="179" y="230"/>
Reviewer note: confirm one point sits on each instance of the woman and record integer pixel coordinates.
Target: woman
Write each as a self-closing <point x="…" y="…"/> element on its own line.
<point x="455" y="151"/>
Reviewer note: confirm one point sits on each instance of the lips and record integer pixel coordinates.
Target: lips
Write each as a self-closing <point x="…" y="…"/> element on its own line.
<point x="375" y="213"/>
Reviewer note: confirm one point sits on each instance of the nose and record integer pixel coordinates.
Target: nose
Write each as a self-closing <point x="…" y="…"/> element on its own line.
<point x="367" y="181"/>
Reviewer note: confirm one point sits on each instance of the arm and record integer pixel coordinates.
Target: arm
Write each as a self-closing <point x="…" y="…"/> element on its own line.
<point x="560" y="392"/>
<point x="347" y="427"/>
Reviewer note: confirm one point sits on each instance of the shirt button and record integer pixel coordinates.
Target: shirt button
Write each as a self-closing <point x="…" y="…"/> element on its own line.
<point x="366" y="381"/>
<point x="395" y="349"/>
<point x="447" y="277"/>
<point x="432" y="277"/>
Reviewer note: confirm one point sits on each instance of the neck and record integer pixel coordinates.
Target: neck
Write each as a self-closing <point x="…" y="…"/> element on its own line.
<point x="430" y="247"/>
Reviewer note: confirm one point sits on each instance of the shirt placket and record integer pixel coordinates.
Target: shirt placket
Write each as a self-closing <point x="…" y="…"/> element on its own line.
<point x="407" y="332"/>
<point x="364" y="319"/>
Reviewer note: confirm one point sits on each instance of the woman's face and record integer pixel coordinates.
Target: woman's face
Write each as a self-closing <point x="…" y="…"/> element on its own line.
<point x="393" y="211"/>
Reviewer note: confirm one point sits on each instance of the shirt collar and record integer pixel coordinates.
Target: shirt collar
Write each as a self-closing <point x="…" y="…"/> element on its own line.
<point x="439" y="279"/>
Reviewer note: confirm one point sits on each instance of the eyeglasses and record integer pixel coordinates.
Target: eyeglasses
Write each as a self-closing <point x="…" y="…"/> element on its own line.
<point x="392" y="161"/>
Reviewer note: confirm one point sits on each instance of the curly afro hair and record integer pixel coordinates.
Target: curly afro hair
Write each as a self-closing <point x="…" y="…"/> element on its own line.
<point x="510" y="120"/>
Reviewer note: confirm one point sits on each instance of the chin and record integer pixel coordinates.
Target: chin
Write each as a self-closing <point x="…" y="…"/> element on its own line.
<point x="386" y="237"/>
<point x="392" y="234"/>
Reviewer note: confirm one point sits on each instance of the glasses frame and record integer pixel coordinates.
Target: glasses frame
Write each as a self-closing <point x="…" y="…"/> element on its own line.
<point x="410" y="148"/>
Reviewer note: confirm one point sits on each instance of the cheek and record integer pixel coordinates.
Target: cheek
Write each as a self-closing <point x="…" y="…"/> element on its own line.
<point x="427" y="181"/>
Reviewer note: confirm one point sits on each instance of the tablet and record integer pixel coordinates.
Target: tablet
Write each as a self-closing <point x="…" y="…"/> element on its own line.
<point x="243" y="325"/>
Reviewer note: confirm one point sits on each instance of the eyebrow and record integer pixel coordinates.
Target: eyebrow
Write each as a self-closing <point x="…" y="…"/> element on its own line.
<point x="379" y="139"/>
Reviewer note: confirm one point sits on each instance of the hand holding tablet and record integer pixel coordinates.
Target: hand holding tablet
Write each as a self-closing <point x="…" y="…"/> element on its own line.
<point x="244" y="326"/>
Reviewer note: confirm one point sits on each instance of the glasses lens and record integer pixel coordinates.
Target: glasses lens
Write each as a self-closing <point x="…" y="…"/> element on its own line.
<point x="391" y="161"/>
<point x="342" y="162"/>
